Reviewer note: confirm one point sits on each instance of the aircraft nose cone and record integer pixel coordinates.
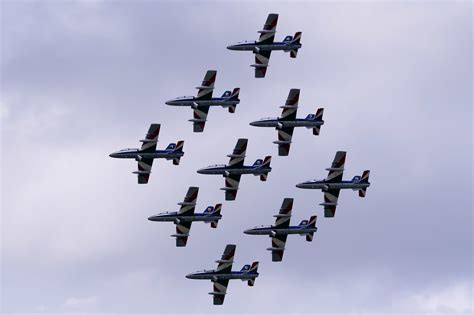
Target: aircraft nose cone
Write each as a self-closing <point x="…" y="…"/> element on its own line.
<point x="253" y="123"/>
<point x="300" y="185"/>
<point x="152" y="218"/>
<point x="189" y="276"/>
<point x="247" y="231"/>
<point x="113" y="155"/>
<point x="170" y="102"/>
<point x="201" y="171"/>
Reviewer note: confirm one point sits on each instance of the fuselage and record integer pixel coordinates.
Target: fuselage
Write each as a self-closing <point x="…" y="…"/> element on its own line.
<point x="227" y="170"/>
<point x="324" y="185"/>
<point x="137" y="154"/>
<point x="271" y="230"/>
<point x="174" y="216"/>
<point x="192" y="101"/>
<point x="255" y="46"/>
<point x="213" y="275"/>
<point x="279" y="123"/>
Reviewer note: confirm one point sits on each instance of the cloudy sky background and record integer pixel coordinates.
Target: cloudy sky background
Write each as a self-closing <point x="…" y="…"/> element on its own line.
<point x="82" y="79"/>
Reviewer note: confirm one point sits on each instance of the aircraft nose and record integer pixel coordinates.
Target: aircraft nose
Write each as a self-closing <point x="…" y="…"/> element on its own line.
<point x="169" y="102"/>
<point x="152" y="218"/>
<point x="189" y="276"/>
<point x="201" y="171"/>
<point x="113" y="154"/>
<point x="253" y="123"/>
<point x="248" y="231"/>
<point x="300" y="185"/>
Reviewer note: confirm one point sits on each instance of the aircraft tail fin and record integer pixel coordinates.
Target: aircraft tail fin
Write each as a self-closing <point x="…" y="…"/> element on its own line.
<point x="216" y="211"/>
<point x="234" y="96"/>
<point x="178" y="148"/>
<point x="364" y="179"/>
<point x="296" y="40"/>
<point x="266" y="163"/>
<point x="252" y="270"/>
<point x="311" y="224"/>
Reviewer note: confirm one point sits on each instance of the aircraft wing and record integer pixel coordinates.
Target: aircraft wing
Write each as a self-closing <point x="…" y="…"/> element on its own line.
<point x="238" y="155"/>
<point x="284" y="140"/>
<point x="227" y="259"/>
<point x="220" y="289"/>
<point x="278" y="246"/>
<point x="267" y="34"/>
<point x="189" y="202"/>
<point x="182" y="233"/>
<point x="151" y="138"/>
<point x="261" y="63"/>
<point x="330" y="202"/>
<point x="283" y="217"/>
<point x="144" y="170"/>
<point x="231" y="186"/>
<point x="200" y="116"/>
<point x="207" y="86"/>
<point x="291" y="105"/>
<point x="337" y="168"/>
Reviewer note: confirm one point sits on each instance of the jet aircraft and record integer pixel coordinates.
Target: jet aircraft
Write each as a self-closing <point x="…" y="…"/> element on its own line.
<point x="333" y="183"/>
<point x="234" y="170"/>
<point x="281" y="229"/>
<point x="147" y="153"/>
<point x="221" y="276"/>
<point x="263" y="47"/>
<point x="201" y="103"/>
<point x="186" y="216"/>
<point x="288" y="121"/>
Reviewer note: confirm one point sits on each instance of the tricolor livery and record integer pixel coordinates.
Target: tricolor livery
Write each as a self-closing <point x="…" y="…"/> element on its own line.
<point x="147" y="153"/>
<point x="263" y="47"/>
<point x="220" y="277"/>
<point x="201" y="103"/>
<point x="186" y="216"/>
<point x="236" y="168"/>
<point x="288" y="121"/>
<point x="281" y="229"/>
<point x="333" y="183"/>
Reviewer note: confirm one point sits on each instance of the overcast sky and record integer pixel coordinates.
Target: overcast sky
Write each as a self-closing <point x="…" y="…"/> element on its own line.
<point x="82" y="79"/>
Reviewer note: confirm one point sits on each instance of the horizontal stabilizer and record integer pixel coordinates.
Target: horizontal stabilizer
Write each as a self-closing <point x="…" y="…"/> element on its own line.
<point x="288" y="106"/>
<point x="205" y="87"/>
<point x="198" y="120"/>
<point x="259" y="65"/>
<point x="282" y="215"/>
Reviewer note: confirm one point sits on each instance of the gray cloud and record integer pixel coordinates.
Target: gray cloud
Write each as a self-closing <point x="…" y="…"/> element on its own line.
<point x="81" y="79"/>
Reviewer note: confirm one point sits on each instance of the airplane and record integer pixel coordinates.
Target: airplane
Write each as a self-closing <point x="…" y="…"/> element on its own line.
<point x="333" y="183"/>
<point x="281" y="229"/>
<point x="201" y="103"/>
<point x="236" y="168"/>
<point x="288" y="121"/>
<point x="147" y="153"/>
<point x="186" y="216"/>
<point x="263" y="47"/>
<point x="221" y="276"/>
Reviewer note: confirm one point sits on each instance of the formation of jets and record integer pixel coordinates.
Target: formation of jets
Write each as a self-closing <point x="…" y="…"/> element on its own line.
<point x="233" y="171"/>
